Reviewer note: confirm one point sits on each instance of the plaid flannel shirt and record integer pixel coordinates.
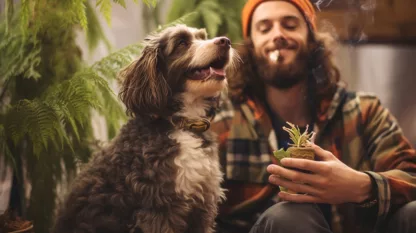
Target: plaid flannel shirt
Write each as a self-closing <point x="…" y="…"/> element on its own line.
<point x="354" y="126"/>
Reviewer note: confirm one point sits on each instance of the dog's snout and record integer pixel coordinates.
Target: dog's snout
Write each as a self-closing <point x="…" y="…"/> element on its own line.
<point x="223" y="42"/>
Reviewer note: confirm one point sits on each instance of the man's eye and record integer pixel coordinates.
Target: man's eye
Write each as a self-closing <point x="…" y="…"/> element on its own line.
<point x="291" y="25"/>
<point x="264" y="29"/>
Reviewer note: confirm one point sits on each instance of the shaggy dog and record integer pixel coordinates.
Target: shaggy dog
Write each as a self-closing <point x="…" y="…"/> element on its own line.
<point x="161" y="173"/>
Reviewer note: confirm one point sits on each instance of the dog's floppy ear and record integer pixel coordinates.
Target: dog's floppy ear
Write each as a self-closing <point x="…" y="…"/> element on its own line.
<point x="144" y="90"/>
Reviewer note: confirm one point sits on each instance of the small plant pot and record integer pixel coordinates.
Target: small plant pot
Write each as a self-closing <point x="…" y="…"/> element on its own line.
<point x="300" y="153"/>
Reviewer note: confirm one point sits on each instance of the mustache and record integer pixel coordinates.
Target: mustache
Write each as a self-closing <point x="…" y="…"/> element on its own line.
<point x="282" y="43"/>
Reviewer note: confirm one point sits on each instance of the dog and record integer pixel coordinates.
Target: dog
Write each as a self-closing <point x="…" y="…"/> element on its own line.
<point x="161" y="173"/>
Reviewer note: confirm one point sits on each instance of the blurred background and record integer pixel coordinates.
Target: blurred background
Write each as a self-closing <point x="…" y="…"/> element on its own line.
<point x="376" y="53"/>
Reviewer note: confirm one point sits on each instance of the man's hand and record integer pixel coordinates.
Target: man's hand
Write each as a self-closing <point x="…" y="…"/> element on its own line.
<point x="331" y="181"/>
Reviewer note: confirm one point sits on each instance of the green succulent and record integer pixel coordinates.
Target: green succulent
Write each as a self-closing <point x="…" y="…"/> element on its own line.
<point x="298" y="138"/>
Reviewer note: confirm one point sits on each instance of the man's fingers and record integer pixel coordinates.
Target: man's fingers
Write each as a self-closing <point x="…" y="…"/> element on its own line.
<point x="296" y="176"/>
<point x="297" y="187"/>
<point x="317" y="167"/>
<point x="321" y="153"/>
<point x="299" y="198"/>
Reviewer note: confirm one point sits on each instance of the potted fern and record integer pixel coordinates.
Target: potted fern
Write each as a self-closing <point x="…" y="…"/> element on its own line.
<point x="299" y="148"/>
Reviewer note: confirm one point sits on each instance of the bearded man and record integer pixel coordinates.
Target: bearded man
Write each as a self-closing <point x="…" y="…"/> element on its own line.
<point x="363" y="178"/>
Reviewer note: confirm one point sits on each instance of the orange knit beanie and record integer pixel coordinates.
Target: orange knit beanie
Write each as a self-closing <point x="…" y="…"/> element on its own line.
<point x="305" y="6"/>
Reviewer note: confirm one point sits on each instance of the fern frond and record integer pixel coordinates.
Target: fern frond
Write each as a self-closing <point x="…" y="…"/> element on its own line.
<point x="77" y="14"/>
<point x="26" y="13"/>
<point x="150" y="3"/>
<point x="19" y="54"/>
<point x="105" y="9"/>
<point x="218" y="17"/>
<point x="8" y="13"/>
<point x="109" y="66"/>
<point x="210" y="13"/>
<point x="94" y="31"/>
<point x="37" y="121"/>
<point x="186" y="19"/>
<point x="121" y="3"/>
<point x="180" y="8"/>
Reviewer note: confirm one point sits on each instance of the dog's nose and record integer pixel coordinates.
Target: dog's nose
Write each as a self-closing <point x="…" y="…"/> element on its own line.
<point x="223" y="42"/>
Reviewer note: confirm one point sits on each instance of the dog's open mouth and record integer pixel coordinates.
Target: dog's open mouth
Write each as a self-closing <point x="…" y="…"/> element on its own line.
<point x="215" y="70"/>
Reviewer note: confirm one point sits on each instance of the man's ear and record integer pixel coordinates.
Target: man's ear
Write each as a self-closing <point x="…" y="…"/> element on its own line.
<point x="144" y="90"/>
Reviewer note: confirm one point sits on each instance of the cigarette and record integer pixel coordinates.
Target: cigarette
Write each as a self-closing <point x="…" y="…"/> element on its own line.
<point x="274" y="56"/>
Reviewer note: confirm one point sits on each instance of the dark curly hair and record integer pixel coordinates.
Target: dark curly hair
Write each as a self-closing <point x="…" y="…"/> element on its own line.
<point x="244" y="82"/>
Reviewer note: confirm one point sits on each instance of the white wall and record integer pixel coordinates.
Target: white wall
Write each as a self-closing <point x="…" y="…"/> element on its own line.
<point x="390" y="72"/>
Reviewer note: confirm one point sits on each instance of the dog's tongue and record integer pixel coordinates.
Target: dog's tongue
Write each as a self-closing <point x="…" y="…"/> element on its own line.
<point x="217" y="71"/>
<point x="205" y="73"/>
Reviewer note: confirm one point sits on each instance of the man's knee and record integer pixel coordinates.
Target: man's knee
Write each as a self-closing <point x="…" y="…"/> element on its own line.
<point x="291" y="217"/>
<point x="404" y="219"/>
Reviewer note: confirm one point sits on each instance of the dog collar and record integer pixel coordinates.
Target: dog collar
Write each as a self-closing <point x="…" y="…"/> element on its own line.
<point x="199" y="125"/>
<point x="194" y="125"/>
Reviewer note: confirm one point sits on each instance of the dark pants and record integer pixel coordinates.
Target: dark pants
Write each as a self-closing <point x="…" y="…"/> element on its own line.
<point x="286" y="217"/>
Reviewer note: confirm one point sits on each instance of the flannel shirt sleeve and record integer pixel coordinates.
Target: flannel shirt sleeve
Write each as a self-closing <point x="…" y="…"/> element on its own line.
<point x="392" y="157"/>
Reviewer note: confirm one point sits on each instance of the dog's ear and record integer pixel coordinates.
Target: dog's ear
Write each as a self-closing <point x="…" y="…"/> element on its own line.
<point x="144" y="90"/>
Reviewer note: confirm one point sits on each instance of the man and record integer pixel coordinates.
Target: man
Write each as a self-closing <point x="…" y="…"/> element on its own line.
<point x="363" y="179"/>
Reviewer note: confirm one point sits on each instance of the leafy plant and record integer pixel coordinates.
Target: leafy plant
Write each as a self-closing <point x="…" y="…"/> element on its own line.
<point x="298" y="138"/>
<point x="47" y="95"/>
<point x="217" y="16"/>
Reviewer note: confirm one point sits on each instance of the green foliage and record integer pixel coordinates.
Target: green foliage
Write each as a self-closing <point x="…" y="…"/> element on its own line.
<point x="217" y="16"/>
<point x="47" y="94"/>
<point x="281" y="154"/>
<point x="149" y="3"/>
<point x="298" y="138"/>
<point x="94" y="33"/>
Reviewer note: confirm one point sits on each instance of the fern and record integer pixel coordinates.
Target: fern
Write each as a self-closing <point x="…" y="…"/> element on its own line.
<point x="94" y="32"/>
<point x="36" y="120"/>
<point x="47" y="94"/>
<point x="105" y="9"/>
<point x="149" y="3"/>
<point x="19" y="54"/>
<point x="217" y="16"/>
<point x="209" y="12"/>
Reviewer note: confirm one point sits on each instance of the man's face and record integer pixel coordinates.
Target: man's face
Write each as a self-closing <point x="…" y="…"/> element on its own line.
<point x="279" y="25"/>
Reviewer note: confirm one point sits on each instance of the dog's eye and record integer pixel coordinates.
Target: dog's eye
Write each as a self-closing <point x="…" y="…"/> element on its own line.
<point x="183" y="43"/>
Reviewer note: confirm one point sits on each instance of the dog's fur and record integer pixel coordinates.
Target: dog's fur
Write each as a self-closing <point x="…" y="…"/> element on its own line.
<point x="156" y="177"/>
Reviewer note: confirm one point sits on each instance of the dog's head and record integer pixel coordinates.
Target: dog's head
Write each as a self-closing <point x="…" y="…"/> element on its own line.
<point x="178" y="59"/>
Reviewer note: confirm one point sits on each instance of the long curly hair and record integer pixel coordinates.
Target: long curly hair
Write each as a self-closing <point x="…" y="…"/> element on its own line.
<point x="323" y="75"/>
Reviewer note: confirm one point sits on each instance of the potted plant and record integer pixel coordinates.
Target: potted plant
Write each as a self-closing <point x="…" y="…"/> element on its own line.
<point x="299" y="148"/>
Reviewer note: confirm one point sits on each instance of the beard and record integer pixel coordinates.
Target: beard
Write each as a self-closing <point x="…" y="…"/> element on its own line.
<point x="283" y="76"/>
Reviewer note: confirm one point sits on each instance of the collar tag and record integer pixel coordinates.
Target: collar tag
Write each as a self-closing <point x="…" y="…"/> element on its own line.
<point x="197" y="126"/>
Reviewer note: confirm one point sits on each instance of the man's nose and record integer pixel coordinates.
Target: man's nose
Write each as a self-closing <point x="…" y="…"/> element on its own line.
<point x="279" y="37"/>
<point x="277" y="31"/>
